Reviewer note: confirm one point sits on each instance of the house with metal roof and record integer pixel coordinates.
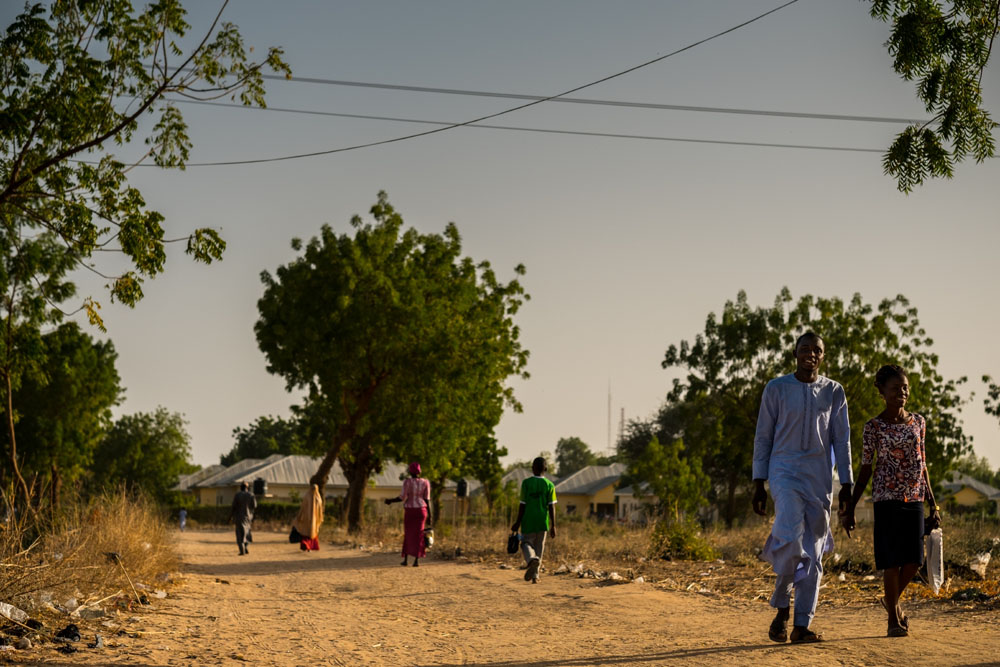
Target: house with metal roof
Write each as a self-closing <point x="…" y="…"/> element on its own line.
<point x="590" y="491"/>
<point x="185" y="482"/>
<point x="287" y="479"/>
<point x="634" y="506"/>
<point x="966" y="491"/>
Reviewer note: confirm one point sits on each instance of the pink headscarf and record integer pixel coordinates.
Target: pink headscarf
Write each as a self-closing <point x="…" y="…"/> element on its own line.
<point x="414" y="469"/>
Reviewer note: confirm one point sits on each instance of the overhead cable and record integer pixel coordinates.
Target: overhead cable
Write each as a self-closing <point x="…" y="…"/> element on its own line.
<point x="609" y="103"/>
<point x="532" y="103"/>
<point x="514" y="128"/>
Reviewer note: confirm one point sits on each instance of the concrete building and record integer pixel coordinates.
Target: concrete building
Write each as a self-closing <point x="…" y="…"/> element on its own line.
<point x="287" y="479"/>
<point x="591" y="491"/>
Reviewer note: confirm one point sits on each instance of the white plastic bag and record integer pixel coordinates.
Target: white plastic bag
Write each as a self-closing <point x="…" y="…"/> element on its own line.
<point x="979" y="563"/>
<point x="12" y="612"/>
<point x="935" y="560"/>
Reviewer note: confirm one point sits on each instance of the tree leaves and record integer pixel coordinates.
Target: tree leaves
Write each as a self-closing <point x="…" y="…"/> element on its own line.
<point x="404" y="345"/>
<point x="714" y="406"/>
<point x="73" y="85"/>
<point x="946" y="47"/>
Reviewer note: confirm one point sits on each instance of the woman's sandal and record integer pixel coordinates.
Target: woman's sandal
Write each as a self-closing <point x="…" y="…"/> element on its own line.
<point x="904" y="620"/>
<point x="897" y="631"/>
<point x="802" y="635"/>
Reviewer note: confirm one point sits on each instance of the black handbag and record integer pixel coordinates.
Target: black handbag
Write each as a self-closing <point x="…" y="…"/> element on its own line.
<point x="294" y="536"/>
<point x="513" y="543"/>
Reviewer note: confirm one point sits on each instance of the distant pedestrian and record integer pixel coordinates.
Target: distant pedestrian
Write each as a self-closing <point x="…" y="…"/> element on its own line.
<point x="305" y="528"/>
<point x="536" y="516"/>
<point x="244" y="504"/>
<point x="183" y="515"/>
<point x="416" y="499"/>
<point x="896" y="441"/>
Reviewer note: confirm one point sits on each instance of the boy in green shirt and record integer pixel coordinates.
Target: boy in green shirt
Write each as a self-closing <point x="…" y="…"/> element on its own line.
<point x="537" y="515"/>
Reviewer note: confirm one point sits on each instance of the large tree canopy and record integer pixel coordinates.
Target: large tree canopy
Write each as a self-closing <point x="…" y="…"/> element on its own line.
<point x="144" y="451"/>
<point x="82" y="75"/>
<point x="714" y="406"/>
<point x="266" y="436"/>
<point x="79" y="80"/>
<point x="573" y="454"/>
<point x="404" y="346"/>
<point x="65" y="403"/>
<point x="945" y="47"/>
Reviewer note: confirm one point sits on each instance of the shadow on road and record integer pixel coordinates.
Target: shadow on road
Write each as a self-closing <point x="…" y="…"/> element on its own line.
<point x="247" y="566"/>
<point x="638" y="658"/>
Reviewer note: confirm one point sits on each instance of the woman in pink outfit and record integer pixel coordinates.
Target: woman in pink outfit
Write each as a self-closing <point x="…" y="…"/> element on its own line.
<point x="416" y="499"/>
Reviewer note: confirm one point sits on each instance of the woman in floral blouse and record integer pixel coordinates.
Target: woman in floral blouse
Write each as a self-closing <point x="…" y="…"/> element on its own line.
<point x="896" y="441"/>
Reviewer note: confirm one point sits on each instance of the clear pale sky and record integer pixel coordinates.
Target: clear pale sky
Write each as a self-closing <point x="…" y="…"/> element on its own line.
<point x="628" y="244"/>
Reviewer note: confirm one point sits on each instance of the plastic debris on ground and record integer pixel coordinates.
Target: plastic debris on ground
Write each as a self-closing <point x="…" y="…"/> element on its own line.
<point x="979" y="563"/>
<point x="69" y="633"/>
<point x="13" y="613"/>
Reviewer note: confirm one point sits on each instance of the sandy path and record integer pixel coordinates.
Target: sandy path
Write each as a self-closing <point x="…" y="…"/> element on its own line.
<point x="279" y="606"/>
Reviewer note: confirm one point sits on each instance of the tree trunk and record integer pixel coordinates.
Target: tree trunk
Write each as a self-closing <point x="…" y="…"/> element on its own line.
<point x="437" y="488"/>
<point x="356" y="503"/>
<point x="15" y="468"/>
<point x="56" y="489"/>
<point x="733" y="484"/>
<point x="358" y="464"/>
<point x="319" y="478"/>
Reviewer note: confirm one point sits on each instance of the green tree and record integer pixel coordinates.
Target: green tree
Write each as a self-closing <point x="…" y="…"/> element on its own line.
<point x="945" y="47"/>
<point x="714" y="407"/>
<point x="145" y="451"/>
<point x="404" y="346"/>
<point x="676" y="480"/>
<point x="80" y="79"/>
<point x="977" y="467"/>
<point x="573" y="454"/>
<point x="992" y="402"/>
<point x="32" y="276"/>
<point x="483" y="464"/>
<point x="266" y="436"/>
<point x="66" y="406"/>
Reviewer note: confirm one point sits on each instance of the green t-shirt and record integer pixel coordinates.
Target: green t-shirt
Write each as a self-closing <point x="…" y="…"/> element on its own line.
<point x="537" y="493"/>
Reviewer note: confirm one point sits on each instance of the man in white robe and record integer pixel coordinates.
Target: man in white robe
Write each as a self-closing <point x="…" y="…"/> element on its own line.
<point x="802" y="428"/>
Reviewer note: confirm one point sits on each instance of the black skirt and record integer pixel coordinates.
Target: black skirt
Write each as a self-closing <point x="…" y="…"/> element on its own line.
<point x="899" y="533"/>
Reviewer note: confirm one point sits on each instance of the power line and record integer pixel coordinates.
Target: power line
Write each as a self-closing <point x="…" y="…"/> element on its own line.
<point x="600" y="102"/>
<point x="499" y="113"/>
<point x="612" y="135"/>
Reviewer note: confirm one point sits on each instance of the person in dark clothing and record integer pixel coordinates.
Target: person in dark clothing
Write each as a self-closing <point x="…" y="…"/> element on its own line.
<point x="244" y="505"/>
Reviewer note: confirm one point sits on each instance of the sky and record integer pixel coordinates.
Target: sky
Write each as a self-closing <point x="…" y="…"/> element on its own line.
<point x="628" y="243"/>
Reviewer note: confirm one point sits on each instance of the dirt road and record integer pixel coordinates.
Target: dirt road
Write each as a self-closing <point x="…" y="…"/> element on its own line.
<point x="279" y="606"/>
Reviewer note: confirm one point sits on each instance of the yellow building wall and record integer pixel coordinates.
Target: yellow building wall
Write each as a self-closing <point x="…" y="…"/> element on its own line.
<point x="581" y="502"/>
<point x="968" y="497"/>
<point x="605" y="495"/>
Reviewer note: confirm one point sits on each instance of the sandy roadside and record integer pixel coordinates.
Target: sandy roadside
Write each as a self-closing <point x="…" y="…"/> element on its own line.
<point x="279" y="606"/>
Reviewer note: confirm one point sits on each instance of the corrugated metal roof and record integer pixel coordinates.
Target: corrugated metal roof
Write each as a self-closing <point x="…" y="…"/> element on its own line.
<point x="591" y="479"/>
<point x="222" y="477"/>
<point x="630" y="490"/>
<point x="297" y="470"/>
<point x="186" y="481"/>
<point x="958" y="480"/>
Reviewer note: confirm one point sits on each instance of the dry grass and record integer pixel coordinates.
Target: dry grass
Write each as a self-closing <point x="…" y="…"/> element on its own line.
<point x="602" y="548"/>
<point x="46" y="561"/>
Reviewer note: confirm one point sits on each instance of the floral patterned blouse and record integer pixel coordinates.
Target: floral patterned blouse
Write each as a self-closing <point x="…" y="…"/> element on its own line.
<point x="900" y="458"/>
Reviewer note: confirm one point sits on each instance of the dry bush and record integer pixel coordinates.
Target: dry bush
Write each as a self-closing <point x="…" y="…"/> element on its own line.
<point x="69" y="554"/>
<point x="608" y="547"/>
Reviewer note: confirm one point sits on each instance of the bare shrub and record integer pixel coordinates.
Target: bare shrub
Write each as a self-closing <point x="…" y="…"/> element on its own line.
<point x="71" y="554"/>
